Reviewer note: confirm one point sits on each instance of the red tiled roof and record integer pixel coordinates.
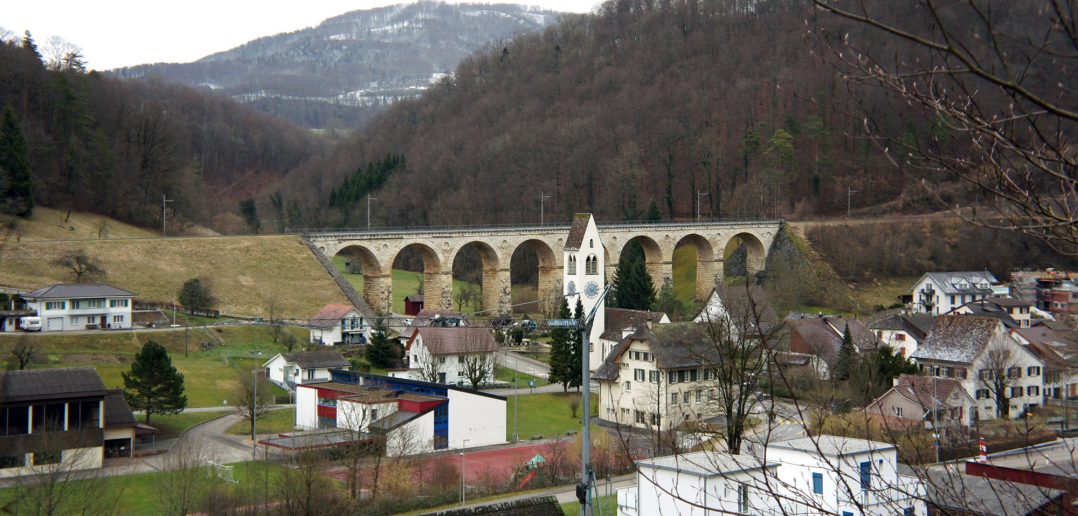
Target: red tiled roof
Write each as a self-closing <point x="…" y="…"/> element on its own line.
<point x="330" y="315"/>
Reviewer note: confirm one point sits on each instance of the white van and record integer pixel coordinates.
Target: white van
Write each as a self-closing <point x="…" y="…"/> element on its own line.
<point x="30" y="323"/>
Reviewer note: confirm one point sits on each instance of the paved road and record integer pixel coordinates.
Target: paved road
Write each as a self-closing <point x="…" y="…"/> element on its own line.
<point x="523" y="364"/>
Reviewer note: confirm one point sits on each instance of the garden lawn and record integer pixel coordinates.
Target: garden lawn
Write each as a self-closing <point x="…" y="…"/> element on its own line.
<point x="139" y="494"/>
<point x="504" y="374"/>
<point x="172" y="425"/>
<point x="684" y="271"/>
<point x="607" y="505"/>
<point x="275" y="422"/>
<point x="545" y="415"/>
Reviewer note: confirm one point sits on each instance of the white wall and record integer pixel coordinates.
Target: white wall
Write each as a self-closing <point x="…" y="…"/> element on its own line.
<point x="76" y="319"/>
<point x="358" y="416"/>
<point x="479" y="419"/>
<point x="417" y="436"/>
<point x="72" y="459"/>
<point x="661" y="491"/>
<point x="1019" y="358"/>
<point x="452" y="366"/>
<point x="306" y="408"/>
<point x="276" y="367"/>
<point x="898" y="340"/>
<point x="326" y="336"/>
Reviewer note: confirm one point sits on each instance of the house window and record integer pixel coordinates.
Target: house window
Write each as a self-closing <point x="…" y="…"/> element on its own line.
<point x="653" y="376"/>
<point x="639" y="417"/>
<point x="982" y="394"/>
<point x="682" y="376"/>
<point x="1014" y="372"/>
<point x="638" y="375"/>
<point x="460" y="359"/>
<point x="673" y="398"/>
<point x="374" y="414"/>
<point x="118" y="303"/>
<point x="655" y="418"/>
<point x="900" y="337"/>
<point x="817" y="483"/>
<point x="12" y="461"/>
<point x="47" y="457"/>
<point x="711" y="394"/>
<point x="117" y="318"/>
<point x="743" y="498"/>
<point x="692" y="375"/>
<point x="947" y="372"/>
<point x="866" y="475"/>
<point x="1033" y="371"/>
<point x="952" y="300"/>
<point x="685" y="397"/>
<point x="699" y="395"/>
<point x="671" y="377"/>
<point x="1033" y="390"/>
<point x="74" y="319"/>
<point x="628" y="386"/>
<point x="984" y="374"/>
<point x="441" y="360"/>
<point x="1016" y="392"/>
<point x="898" y="411"/>
<point x="55" y="305"/>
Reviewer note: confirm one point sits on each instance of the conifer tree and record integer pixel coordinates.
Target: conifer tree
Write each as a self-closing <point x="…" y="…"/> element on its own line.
<point x="561" y="350"/>
<point x="380" y="351"/>
<point x="653" y="214"/>
<point x="153" y="384"/>
<point x="847" y="356"/>
<point x="634" y="288"/>
<point x="16" y="187"/>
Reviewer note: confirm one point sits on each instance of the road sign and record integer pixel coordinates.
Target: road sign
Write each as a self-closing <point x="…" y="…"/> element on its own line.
<point x="531" y="383"/>
<point x="562" y="323"/>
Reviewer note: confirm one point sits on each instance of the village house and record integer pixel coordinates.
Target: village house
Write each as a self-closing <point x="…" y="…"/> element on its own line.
<point x="60" y="417"/>
<point x="902" y="331"/>
<point x="451" y="355"/>
<point x="980" y="353"/>
<point x="1013" y="313"/>
<point x="1058" y="349"/>
<point x="820" y="338"/>
<point x="622" y="322"/>
<point x="290" y="369"/>
<point x="822" y="475"/>
<point x="927" y="402"/>
<point x="938" y="293"/>
<point x="658" y="378"/>
<point x="81" y="306"/>
<point x="412" y="416"/>
<point x="334" y="325"/>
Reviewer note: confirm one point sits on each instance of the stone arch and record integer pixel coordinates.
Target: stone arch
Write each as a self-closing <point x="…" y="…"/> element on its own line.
<point x="755" y="254"/>
<point x="491" y="283"/>
<point x="658" y="265"/>
<point x="547" y="277"/>
<point x="437" y="284"/>
<point x="361" y="267"/>
<point x="706" y="266"/>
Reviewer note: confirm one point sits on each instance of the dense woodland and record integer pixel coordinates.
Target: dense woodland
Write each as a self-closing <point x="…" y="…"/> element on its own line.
<point x="115" y="147"/>
<point x="716" y="109"/>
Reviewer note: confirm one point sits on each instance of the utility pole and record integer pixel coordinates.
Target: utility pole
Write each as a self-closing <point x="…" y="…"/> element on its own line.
<point x="585" y="451"/>
<point x="463" y="471"/>
<point x="700" y="195"/>
<point x="849" y="195"/>
<point x="516" y="397"/>
<point x="542" y="200"/>
<point x="164" y="212"/>
<point x="254" y="416"/>
<point x="369" y="199"/>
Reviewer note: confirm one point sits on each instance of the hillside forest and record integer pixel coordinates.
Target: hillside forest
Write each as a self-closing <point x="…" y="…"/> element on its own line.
<point x="688" y="108"/>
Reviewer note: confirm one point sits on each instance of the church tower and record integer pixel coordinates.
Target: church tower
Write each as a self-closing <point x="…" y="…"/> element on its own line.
<point x="583" y="266"/>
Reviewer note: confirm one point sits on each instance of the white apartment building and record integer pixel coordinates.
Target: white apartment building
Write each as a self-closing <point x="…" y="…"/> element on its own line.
<point x="449" y="355"/>
<point x="823" y="475"/>
<point x="81" y="306"/>
<point x="938" y="293"/>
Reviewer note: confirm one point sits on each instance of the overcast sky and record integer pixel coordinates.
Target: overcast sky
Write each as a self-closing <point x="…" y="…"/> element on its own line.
<point x="114" y="33"/>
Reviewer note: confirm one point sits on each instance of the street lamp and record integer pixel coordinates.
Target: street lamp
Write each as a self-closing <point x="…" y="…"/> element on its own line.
<point x="516" y="397"/>
<point x="254" y="415"/>
<point x="463" y="444"/>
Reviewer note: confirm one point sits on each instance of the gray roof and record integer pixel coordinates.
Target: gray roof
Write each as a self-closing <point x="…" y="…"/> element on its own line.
<point x="76" y="291"/>
<point x="950" y="282"/>
<point x="833" y="445"/>
<point x="957" y="338"/>
<point x="455" y="341"/>
<point x="742" y="304"/>
<point x="117" y="412"/>
<point x="995" y="311"/>
<point x="708" y="463"/>
<point x="948" y="488"/>
<point x="917" y="325"/>
<point x="617" y="320"/>
<point x="50" y="384"/>
<point x="576" y="231"/>
<point x="675" y="345"/>
<point x="316" y="359"/>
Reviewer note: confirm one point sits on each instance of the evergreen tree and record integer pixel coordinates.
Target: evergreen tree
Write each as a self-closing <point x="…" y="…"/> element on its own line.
<point x="653" y="214"/>
<point x="153" y="384"/>
<point x="380" y="352"/>
<point x="561" y="350"/>
<point x="16" y="187"/>
<point x="632" y="282"/>
<point x="847" y="356"/>
<point x="576" y="371"/>
<point x="250" y="214"/>
<point x="195" y="295"/>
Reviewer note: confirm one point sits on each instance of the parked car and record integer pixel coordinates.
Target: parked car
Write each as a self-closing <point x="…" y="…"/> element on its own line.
<point x="30" y="323"/>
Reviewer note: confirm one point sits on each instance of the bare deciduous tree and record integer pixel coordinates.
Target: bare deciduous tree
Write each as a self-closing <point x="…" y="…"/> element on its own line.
<point x="24" y="351"/>
<point x="246" y="403"/>
<point x="81" y="265"/>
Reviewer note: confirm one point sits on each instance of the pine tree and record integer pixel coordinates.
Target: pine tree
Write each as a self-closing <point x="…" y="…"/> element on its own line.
<point x="576" y="371"/>
<point x="561" y="350"/>
<point x="634" y="288"/>
<point x="153" y="384"/>
<point x="847" y="356"/>
<point x="379" y="351"/>
<point x="653" y="214"/>
<point x="16" y="187"/>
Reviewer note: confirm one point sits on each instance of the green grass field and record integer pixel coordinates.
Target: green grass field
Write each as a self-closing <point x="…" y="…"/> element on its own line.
<point x="210" y="377"/>
<point x="504" y="374"/>
<point x="606" y="505"/>
<point x="140" y="493"/>
<point x="684" y="264"/>
<point x="172" y="425"/>
<point x="275" y="422"/>
<point x="546" y="415"/>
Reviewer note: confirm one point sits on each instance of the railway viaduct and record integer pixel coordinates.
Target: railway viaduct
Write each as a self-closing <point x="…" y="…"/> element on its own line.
<point x="376" y="249"/>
